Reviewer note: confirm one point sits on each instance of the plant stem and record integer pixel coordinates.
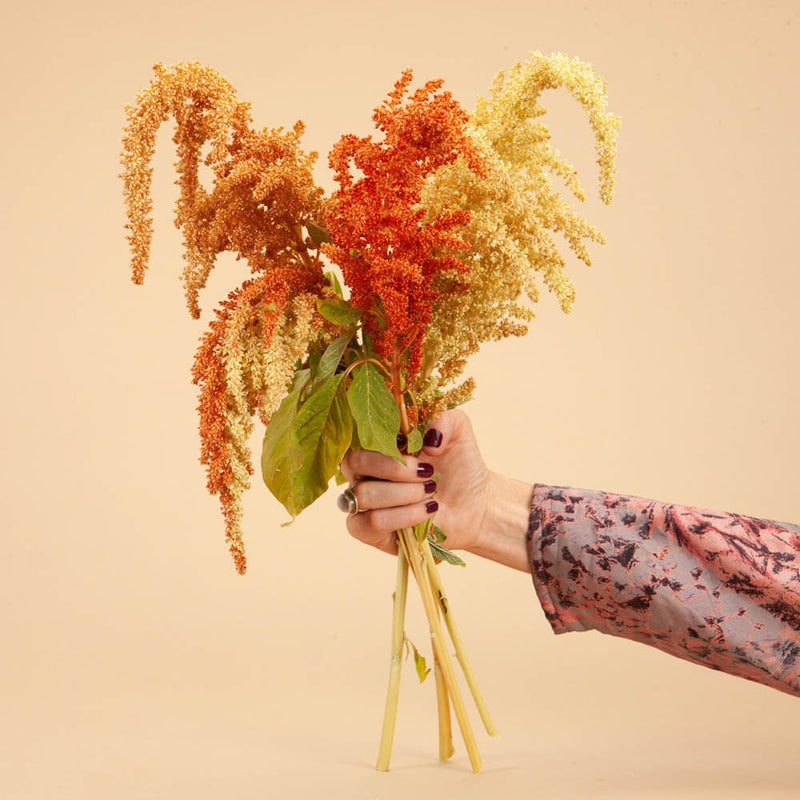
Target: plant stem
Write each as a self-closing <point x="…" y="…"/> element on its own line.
<point x="461" y="653"/>
<point x="393" y="690"/>
<point x="443" y="708"/>
<point x="411" y="549"/>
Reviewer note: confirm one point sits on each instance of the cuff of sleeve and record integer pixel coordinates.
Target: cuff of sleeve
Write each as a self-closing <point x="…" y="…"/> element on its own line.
<point x="543" y="535"/>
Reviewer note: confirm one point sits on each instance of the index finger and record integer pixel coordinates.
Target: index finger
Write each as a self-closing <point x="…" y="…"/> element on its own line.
<point x="360" y="464"/>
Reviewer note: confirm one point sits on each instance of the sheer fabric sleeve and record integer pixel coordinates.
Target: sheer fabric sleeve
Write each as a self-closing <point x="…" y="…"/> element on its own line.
<point x="721" y="590"/>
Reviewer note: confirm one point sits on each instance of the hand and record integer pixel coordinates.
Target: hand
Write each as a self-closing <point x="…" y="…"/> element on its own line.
<point x="478" y="510"/>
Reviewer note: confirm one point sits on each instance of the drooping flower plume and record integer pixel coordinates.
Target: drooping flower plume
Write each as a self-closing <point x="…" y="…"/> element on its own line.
<point x="263" y="195"/>
<point x="263" y="189"/>
<point x="243" y="365"/>
<point x="515" y="212"/>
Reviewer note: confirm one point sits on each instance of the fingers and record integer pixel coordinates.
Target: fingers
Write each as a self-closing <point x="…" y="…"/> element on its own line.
<point x="377" y="527"/>
<point x="387" y="494"/>
<point x="367" y="463"/>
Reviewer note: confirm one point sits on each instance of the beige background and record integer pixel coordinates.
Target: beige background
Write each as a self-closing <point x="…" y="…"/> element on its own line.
<point x="136" y="663"/>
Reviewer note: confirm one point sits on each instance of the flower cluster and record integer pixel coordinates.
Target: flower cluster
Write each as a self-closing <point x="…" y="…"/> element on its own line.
<point x="440" y="227"/>
<point x="514" y="212"/>
<point x="243" y="365"/>
<point x="263" y="189"/>
<point x="389" y="252"/>
<point x="263" y="195"/>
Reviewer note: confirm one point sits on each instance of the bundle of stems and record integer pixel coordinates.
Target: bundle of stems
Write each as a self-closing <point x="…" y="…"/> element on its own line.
<point x="414" y="553"/>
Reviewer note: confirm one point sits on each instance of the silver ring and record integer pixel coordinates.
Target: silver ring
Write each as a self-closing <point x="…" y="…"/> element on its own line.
<point x="347" y="501"/>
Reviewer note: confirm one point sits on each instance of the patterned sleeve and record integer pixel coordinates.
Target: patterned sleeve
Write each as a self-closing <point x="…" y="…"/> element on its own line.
<point x="717" y="589"/>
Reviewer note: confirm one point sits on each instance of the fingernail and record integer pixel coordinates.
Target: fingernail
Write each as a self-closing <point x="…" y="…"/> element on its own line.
<point x="424" y="470"/>
<point x="432" y="438"/>
<point x="401" y="441"/>
<point x="429" y="487"/>
<point x="431" y="506"/>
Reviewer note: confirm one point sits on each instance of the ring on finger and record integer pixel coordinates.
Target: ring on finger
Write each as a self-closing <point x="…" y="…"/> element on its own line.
<point x="348" y="502"/>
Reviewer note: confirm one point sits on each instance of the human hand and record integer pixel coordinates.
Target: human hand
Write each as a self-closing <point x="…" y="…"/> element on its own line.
<point x="398" y="496"/>
<point x="478" y="510"/>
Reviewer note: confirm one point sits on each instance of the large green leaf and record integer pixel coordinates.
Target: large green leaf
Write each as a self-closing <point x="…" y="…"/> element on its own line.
<point x="275" y="462"/>
<point x="331" y="358"/>
<point x="338" y="311"/>
<point x="318" y="439"/>
<point x="374" y="411"/>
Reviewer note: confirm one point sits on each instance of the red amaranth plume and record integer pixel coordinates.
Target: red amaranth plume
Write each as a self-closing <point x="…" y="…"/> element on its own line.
<point x="387" y="253"/>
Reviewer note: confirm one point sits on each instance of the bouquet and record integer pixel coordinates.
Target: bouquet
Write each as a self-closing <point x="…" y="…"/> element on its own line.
<point x="364" y="305"/>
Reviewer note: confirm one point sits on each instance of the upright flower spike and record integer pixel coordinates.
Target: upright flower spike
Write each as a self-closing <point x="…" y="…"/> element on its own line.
<point x="388" y="252"/>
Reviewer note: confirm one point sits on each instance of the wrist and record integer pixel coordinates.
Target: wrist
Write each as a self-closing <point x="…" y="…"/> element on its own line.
<point x="503" y="533"/>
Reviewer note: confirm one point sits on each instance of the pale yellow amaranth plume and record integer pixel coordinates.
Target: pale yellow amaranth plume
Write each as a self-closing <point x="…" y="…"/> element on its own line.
<point x="257" y="377"/>
<point x="515" y="213"/>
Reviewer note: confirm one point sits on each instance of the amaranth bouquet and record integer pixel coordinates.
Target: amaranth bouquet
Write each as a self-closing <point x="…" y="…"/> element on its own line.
<point x="438" y="228"/>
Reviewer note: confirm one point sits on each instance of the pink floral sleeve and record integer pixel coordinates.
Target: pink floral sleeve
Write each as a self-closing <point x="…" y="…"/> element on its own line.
<point x="717" y="589"/>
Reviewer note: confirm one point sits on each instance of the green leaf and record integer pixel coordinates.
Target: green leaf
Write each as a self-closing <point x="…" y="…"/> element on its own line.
<point x="275" y="466"/>
<point x="419" y="663"/>
<point x="338" y="311"/>
<point x="443" y="554"/>
<point x="313" y="362"/>
<point x="333" y="279"/>
<point x="339" y="478"/>
<point x="318" y="234"/>
<point x="355" y="444"/>
<point x="414" y="441"/>
<point x="374" y="411"/>
<point x="318" y="439"/>
<point x="439" y="534"/>
<point x="300" y="378"/>
<point x="331" y="358"/>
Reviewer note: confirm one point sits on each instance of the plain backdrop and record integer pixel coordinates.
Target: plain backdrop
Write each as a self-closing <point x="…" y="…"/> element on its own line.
<point x="135" y="663"/>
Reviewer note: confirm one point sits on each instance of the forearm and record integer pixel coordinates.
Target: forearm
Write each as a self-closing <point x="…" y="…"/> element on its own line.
<point x="718" y="589"/>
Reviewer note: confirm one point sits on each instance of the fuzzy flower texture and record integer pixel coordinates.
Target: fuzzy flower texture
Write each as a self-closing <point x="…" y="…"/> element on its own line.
<point x="438" y="227"/>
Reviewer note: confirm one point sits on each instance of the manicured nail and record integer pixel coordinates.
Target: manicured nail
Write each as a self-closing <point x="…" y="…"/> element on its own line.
<point x="429" y="487"/>
<point x="424" y="470"/>
<point x="432" y="438"/>
<point x="431" y="506"/>
<point x="401" y="441"/>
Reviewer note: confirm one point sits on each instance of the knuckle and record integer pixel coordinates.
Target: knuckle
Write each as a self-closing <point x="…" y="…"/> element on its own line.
<point x="382" y="520"/>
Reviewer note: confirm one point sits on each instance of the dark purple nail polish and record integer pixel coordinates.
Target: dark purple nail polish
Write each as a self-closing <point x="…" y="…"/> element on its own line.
<point x="429" y="487"/>
<point x="431" y="506"/>
<point x="401" y="441"/>
<point x="432" y="438"/>
<point x="424" y="470"/>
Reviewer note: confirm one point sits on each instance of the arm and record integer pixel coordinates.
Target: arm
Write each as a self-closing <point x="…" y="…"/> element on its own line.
<point x="721" y="590"/>
<point x="717" y="589"/>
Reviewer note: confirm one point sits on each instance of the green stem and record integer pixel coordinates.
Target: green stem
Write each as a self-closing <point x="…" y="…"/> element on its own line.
<point x="393" y="690"/>
<point x="461" y="653"/>
<point x="412" y="550"/>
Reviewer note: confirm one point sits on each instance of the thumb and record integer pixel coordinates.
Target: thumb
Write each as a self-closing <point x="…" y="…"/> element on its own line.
<point x="448" y="429"/>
